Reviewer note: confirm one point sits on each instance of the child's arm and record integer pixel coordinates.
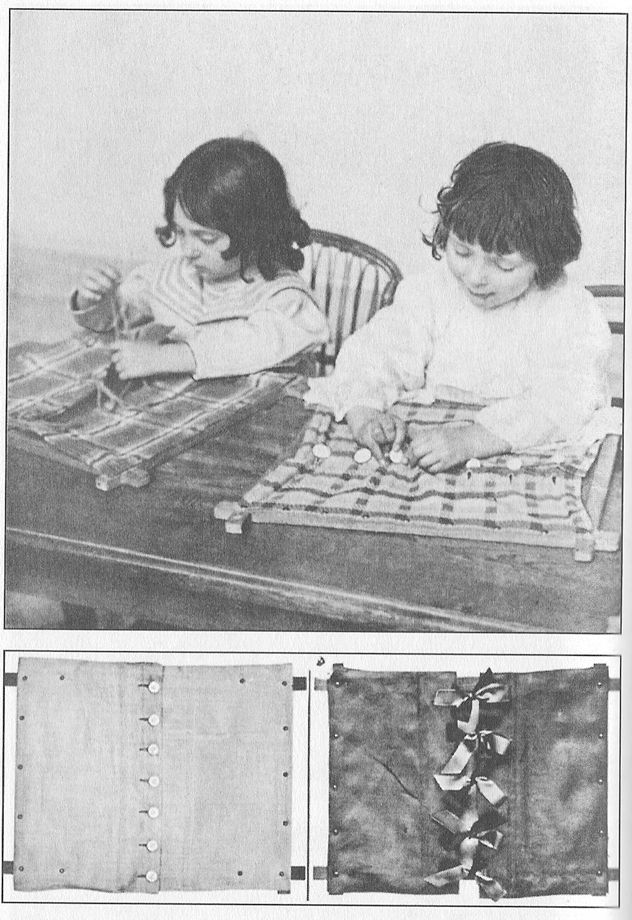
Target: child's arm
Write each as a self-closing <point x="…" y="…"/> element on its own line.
<point x="145" y="359"/>
<point x="439" y="449"/>
<point x="387" y="356"/>
<point x="284" y="326"/>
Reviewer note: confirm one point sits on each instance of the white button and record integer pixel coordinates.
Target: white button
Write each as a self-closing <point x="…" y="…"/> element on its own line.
<point x="154" y="687"/>
<point x="153" y="812"/>
<point x="396" y="456"/>
<point x="154" y="719"/>
<point x="473" y="464"/>
<point x="151" y="876"/>
<point x="153" y="750"/>
<point x="154" y="781"/>
<point x="363" y="455"/>
<point x="152" y="845"/>
<point x="514" y="463"/>
<point x="321" y="450"/>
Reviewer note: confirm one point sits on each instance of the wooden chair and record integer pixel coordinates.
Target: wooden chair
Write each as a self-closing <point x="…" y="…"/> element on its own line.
<point x="351" y="280"/>
<point x="615" y="293"/>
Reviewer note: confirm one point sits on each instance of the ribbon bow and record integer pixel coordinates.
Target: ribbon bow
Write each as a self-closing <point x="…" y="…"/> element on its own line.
<point x="472" y="836"/>
<point x="458" y="772"/>
<point x="483" y="743"/>
<point x="466" y="780"/>
<point x="466" y="706"/>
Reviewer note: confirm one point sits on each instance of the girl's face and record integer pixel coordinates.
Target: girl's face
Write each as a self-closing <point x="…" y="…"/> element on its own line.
<point x="202" y="247"/>
<point x="490" y="280"/>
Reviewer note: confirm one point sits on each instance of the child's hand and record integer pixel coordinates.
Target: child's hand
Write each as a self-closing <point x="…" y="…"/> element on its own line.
<point x="95" y="283"/>
<point x="440" y="448"/>
<point x="145" y="359"/>
<point x="372" y="428"/>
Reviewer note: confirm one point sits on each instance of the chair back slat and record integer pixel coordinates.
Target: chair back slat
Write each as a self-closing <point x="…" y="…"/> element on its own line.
<point x="610" y="295"/>
<point x="351" y="282"/>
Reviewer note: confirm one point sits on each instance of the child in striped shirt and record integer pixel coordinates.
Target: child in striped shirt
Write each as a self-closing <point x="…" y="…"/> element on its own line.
<point x="230" y="300"/>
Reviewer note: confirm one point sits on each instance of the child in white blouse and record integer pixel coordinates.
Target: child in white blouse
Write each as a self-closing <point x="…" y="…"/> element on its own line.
<point x="229" y="301"/>
<point x="500" y="324"/>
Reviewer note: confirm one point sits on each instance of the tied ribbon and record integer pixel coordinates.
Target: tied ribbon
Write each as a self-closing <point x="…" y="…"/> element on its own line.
<point x="483" y="743"/>
<point x="466" y="706"/>
<point x="486" y="786"/>
<point x="472" y="837"/>
<point x="457" y="774"/>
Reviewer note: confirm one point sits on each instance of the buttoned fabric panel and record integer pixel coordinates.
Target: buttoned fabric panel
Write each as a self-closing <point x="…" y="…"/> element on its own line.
<point x="558" y="830"/>
<point x="135" y="777"/>
<point x="386" y="741"/>
<point x="227" y="742"/>
<point x="77" y="782"/>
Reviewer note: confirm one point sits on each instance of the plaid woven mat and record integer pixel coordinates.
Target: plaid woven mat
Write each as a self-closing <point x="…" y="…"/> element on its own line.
<point x="538" y="503"/>
<point x="62" y="395"/>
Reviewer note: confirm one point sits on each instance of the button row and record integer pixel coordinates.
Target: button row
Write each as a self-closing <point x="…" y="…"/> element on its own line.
<point x="153" y="781"/>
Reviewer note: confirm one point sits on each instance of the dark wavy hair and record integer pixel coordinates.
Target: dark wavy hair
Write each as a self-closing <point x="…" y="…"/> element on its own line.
<point x="238" y="187"/>
<point x="507" y="198"/>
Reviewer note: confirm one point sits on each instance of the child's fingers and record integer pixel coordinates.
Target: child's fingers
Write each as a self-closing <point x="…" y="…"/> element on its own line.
<point x="106" y="270"/>
<point x="89" y="294"/>
<point x="422" y="453"/>
<point x="400" y="433"/>
<point x="97" y="280"/>
<point x="385" y="425"/>
<point x="368" y="440"/>
<point x="120" y="360"/>
<point x="388" y="429"/>
<point x="382" y="430"/>
<point x="375" y="449"/>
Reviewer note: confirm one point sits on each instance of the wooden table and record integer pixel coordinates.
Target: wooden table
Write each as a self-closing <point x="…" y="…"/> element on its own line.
<point x="156" y="558"/>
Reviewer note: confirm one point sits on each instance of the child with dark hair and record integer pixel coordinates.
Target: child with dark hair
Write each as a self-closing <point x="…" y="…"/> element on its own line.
<point x="230" y="299"/>
<point x="499" y="324"/>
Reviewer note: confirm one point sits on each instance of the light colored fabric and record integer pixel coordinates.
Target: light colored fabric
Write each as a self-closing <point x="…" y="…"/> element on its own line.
<point x="232" y="328"/>
<point x="538" y="364"/>
<point x="227" y="734"/>
<point x="85" y="761"/>
<point x="537" y="498"/>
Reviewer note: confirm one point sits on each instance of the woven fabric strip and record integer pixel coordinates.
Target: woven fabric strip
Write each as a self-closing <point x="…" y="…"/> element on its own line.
<point x="389" y="743"/>
<point x="539" y="501"/>
<point x="55" y="394"/>
<point x="139" y="777"/>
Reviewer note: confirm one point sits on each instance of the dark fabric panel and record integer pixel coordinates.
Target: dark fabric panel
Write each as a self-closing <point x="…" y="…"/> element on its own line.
<point x="558" y="829"/>
<point x="386" y="740"/>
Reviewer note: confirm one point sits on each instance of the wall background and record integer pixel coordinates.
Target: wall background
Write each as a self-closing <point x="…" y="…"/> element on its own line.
<point x="368" y="112"/>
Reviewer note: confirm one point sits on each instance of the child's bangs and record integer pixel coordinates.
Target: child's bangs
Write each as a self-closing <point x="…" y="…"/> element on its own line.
<point x="194" y="201"/>
<point x="490" y="223"/>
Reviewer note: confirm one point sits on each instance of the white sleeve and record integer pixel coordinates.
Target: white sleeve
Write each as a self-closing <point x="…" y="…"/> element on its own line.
<point x="286" y="324"/>
<point x="569" y="381"/>
<point x="388" y="355"/>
